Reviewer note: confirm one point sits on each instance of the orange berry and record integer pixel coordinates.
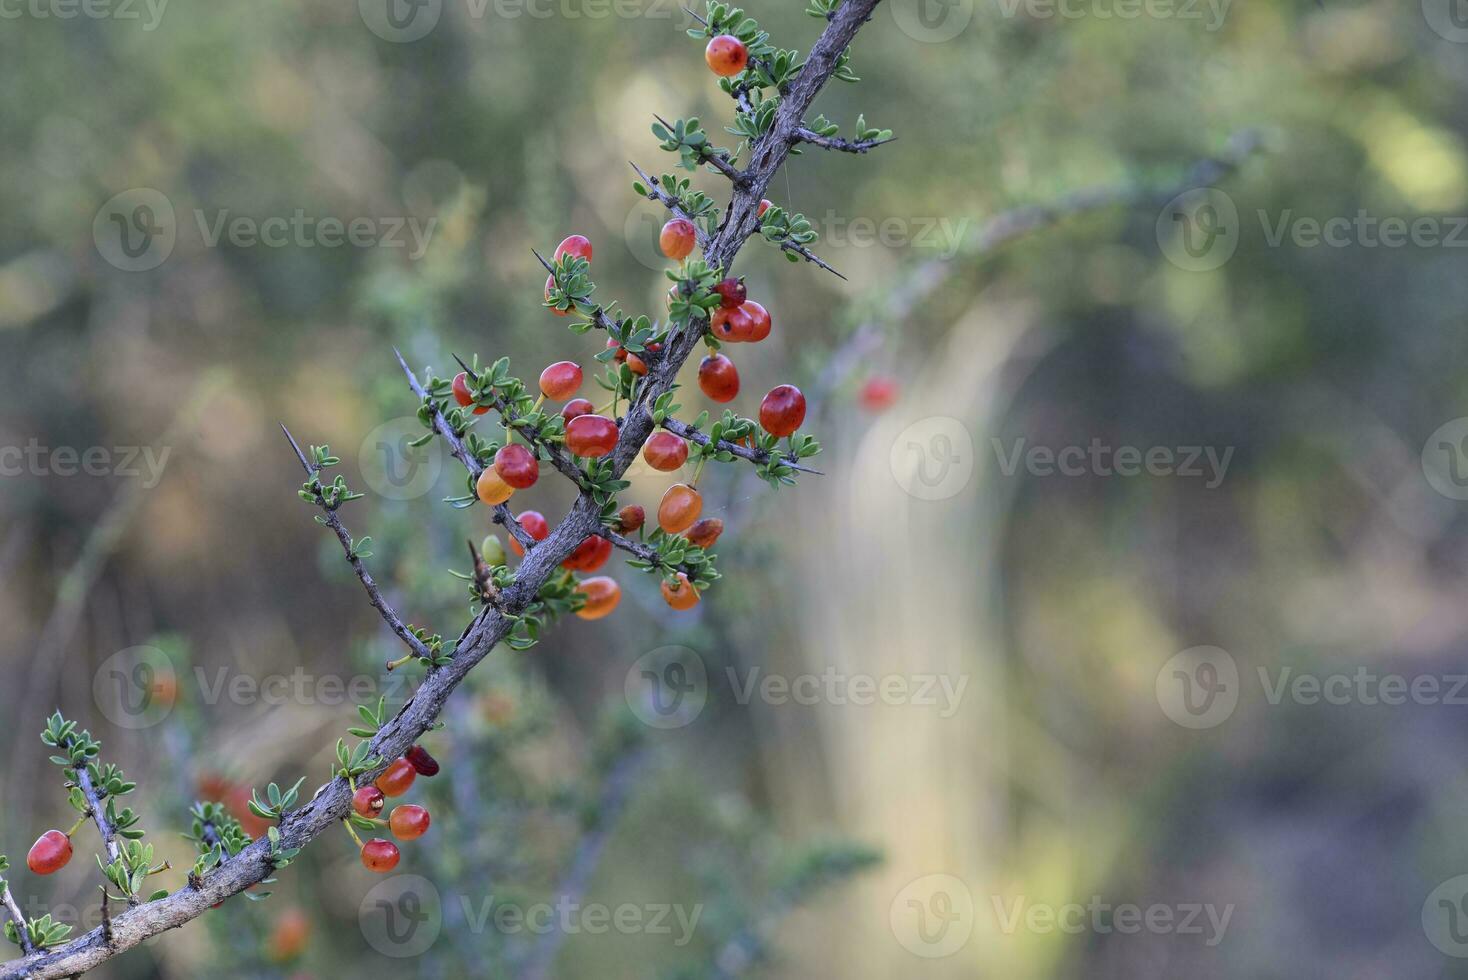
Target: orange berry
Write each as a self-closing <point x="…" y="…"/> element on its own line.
<point x="718" y="378"/>
<point x="680" y="595"/>
<point x="602" y="595"/>
<point x="680" y="507"/>
<point x="759" y="321"/>
<point x="665" y="451"/>
<point x="782" y="410"/>
<point x="705" y="532"/>
<point x="408" y="821"/>
<point x="560" y="381"/>
<point x="577" y="245"/>
<point x="50" y="853"/>
<point x="492" y="488"/>
<point x="380" y="855"/>
<point x="397" y="778"/>
<point x="726" y="55"/>
<point x="677" y="239"/>
<point x="368" y="801"/>
<point x="630" y="518"/>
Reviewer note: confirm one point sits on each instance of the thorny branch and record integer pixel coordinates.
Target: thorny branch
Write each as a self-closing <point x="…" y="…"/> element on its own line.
<point x="680" y="428"/>
<point x="17" y="917"/>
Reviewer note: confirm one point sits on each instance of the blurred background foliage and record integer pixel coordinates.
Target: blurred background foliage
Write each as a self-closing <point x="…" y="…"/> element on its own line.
<point x="1323" y="369"/>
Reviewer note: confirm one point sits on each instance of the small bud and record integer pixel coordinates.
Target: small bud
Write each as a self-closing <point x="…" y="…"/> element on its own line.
<point x="630" y="518"/>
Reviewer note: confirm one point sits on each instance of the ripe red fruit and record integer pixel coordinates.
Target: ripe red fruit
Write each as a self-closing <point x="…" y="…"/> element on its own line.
<point x="577" y="245"/>
<point x="397" y="778"/>
<point x="637" y="364"/>
<point x="680" y="595"/>
<point x="591" y="435"/>
<point x="759" y="319"/>
<point x="491" y="487"/>
<point x="878" y="392"/>
<point x="679" y="508"/>
<point x="408" y="822"/>
<point x="49" y="853"/>
<point x="731" y="292"/>
<point x="726" y="55"/>
<point x="575" y="407"/>
<point x="613" y="345"/>
<point x="677" y="239"/>
<point x="426" y="764"/>
<point x="732" y="326"/>
<point x="664" y="451"/>
<point x="517" y="466"/>
<point x="368" y="801"/>
<point x="592" y="553"/>
<point x="764" y="206"/>
<point x="560" y="381"/>
<point x="380" y="855"/>
<point x="718" y="378"/>
<point x="630" y="518"/>
<point x="463" y="396"/>
<point x="705" y="532"/>
<point x="534" y="522"/>
<point x="549" y="282"/>
<point x="602" y="595"/>
<point x="782" y="410"/>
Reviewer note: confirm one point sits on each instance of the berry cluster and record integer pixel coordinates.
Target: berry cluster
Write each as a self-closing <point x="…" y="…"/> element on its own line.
<point x="408" y="821"/>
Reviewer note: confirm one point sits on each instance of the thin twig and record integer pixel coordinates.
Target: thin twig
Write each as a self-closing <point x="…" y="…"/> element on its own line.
<point x="838" y="143"/>
<point x="759" y="456"/>
<point x="18" y="917"/>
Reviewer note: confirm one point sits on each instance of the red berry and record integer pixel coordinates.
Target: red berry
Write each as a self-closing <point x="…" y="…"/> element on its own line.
<point x="680" y="595"/>
<point x="463" y="396"/>
<point x="782" y="410"/>
<point x="637" y="365"/>
<point x="726" y="55"/>
<point x="517" y="466"/>
<point x="679" y="508"/>
<point x="878" y="392"/>
<point x="759" y="319"/>
<point x="368" y="801"/>
<point x="764" y="206"/>
<point x="577" y="245"/>
<point x="534" y="522"/>
<point x="575" y="407"/>
<point x="591" y="435"/>
<point x="491" y="487"/>
<point x="592" y="553"/>
<point x="602" y="595"/>
<point x="408" y="822"/>
<point x="677" y="239"/>
<point x="560" y="381"/>
<point x="705" y="532"/>
<point x="732" y="326"/>
<point x="731" y="292"/>
<point x="549" y="282"/>
<point x="397" y="778"/>
<point x="630" y="518"/>
<point x="49" y="853"/>
<point x="718" y="378"/>
<point x="664" y="451"/>
<point x="380" y="855"/>
<point x="613" y="345"/>
<point x="426" y="764"/>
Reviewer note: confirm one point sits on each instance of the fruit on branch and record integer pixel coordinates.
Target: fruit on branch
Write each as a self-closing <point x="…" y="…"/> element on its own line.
<point x="665" y="451"/>
<point x="577" y="245"/>
<point x="681" y="594"/>
<point x="463" y="395"/>
<point x="637" y="365"/>
<point x="592" y="553"/>
<point x="764" y="206"/>
<point x="492" y="550"/>
<point x="591" y="435"/>
<point x="534" y="522"/>
<point x="601" y="593"/>
<point x="759" y="318"/>
<point x="782" y="410"/>
<point x="575" y="407"/>
<point x="368" y="801"/>
<point x="631" y="518"/>
<point x="517" y="466"/>
<point x="561" y="380"/>
<point x="732" y="325"/>
<point x="726" y="55"/>
<point x="426" y="764"/>
<point x="50" y="853"/>
<point x="677" y="239"/>
<point x="380" y="855"/>
<point x="491" y="487"/>
<point x="705" y="532"/>
<point x="397" y="778"/>
<point x="408" y="822"/>
<point x="878" y="392"/>
<point x="718" y="378"/>
<point x="731" y="292"/>
<point x="550" y="282"/>
<point x="679" y="508"/>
